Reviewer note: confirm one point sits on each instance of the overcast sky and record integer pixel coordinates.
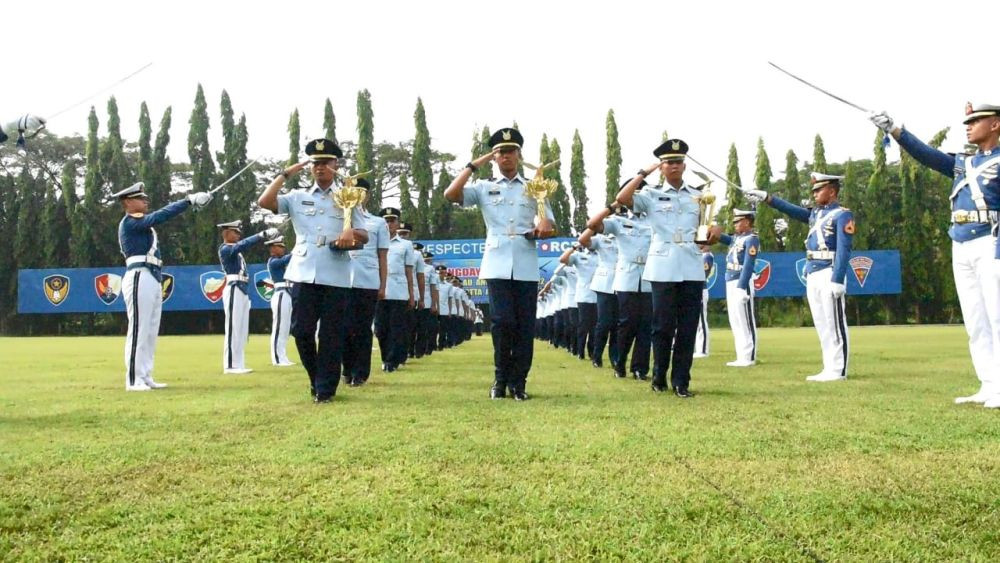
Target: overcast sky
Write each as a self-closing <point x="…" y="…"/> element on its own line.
<point x="697" y="69"/>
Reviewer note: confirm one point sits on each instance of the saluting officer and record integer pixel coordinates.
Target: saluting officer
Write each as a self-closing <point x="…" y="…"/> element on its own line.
<point x="427" y="322"/>
<point x="369" y="272"/>
<point x="632" y="236"/>
<point x="740" y="260"/>
<point x="390" y="313"/>
<point x="975" y="255"/>
<point x="510" y="262"/>
<point x="702" y="343"/>
<point x="674" y="268"/>
<point x="444" y="307"/>
<point x="235" y="300"/>
<point x="320" y="264"/>
<point x="281" y="301"/>
<point x="141" y="284"/>
<point x="828" y="250"/>
<point x="585" y="263"/>
<point x="606" y="331"/>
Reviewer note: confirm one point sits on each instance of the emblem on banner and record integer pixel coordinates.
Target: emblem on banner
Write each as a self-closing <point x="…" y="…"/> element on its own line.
<point x="56" y="288"/>
<point x="212" y="285"/>
<point x="167" y="286"/>
<point x="711" y="276"/>
<point x="861" y="266"/>
<point x="761" y="274"/>
<point x="108" y="287"/>
<point x="263" y="284"/>
<point x="800" y="269"/>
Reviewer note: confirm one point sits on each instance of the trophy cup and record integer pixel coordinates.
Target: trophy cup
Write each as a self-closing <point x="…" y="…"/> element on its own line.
<point x="706" y="204"/>
<point x="540" y="188"/>
<point x="349" y="197"/>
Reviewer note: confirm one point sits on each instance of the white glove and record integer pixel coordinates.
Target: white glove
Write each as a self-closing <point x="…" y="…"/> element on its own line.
<point x="838" y="290"/>
<point x="882" y="121"/>
<point x="744" y="297"/>
<point x="271" y="233"/>
<point x="755" y="196"/>
<point x="199" y="199"/>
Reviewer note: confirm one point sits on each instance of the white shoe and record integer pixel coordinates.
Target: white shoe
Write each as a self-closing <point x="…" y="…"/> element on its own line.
<point x="978" y="397"/>
<point x="741" y="363"/>
<point x="154" y="385"/>
<point x="140" y="386"/>
<point x="238" y="371"/>
<point x="700" y="356"/>
<point x="821" y="377"/>
<point x="993" y="402"/>
<point x="285" y="364"/>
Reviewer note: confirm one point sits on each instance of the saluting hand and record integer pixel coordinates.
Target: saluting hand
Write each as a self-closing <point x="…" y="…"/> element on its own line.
<point x="486" y="158"/>
<point x="296" y="168"/>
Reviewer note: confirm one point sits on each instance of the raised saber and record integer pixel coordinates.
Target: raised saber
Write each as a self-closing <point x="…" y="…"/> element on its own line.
<point x="815" y="87"/>
<point x="233" y="177"/>
<point x="713" y="173"/>
<point x="99" y="92"/>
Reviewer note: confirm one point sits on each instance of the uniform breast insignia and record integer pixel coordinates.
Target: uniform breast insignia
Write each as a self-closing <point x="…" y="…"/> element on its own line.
<point x="849" y="227"/>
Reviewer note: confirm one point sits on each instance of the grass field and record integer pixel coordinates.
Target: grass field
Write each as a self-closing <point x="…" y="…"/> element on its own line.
<point x="419" y="464"/>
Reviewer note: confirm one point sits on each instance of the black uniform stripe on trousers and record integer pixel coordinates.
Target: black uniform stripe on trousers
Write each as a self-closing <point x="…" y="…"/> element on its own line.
<point x="838" y="306"/>
<point x="753" y="328"/>
<point x="135" y="326"/>
<point x="277" y="328"/>
<point x="229" y="321"/>
<point x="704" y="331"/>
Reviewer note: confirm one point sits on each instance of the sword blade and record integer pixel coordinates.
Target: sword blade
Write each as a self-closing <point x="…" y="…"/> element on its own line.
<point x="233" y="177"/>
<point x="815" y="87"/>
<point x="713" y="173"/>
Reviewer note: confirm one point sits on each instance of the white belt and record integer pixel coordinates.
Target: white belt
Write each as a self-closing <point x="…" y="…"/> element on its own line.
<point x="734" y="267"/>
<point x="640" y="260"/>
<point x="282" y="285"/>
<point x="237" y="278"/>
<point x="962" y="216"/>
<point x="151" y="260"/>
<point x="821" y="254"/>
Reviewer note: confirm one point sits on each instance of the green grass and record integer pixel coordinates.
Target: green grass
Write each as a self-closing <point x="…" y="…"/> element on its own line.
<point x="419" y="464"/>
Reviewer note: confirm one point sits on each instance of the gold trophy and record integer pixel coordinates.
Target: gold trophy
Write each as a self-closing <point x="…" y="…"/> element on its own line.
<point x="540" y="188"/>
<point x="349" y="197"/>
<point x="706" y="205"/>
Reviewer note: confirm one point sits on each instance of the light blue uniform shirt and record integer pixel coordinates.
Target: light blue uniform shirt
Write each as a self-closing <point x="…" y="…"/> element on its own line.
<point x="442" y="290"/>
<point x="586" y="266"/>
<point x="318" y="222"/>
<point x="607" y="258"/>
<point x="672" y="213"/>
<point x="509" y="213"/>
<point x="632" y="236"/>
<point x="430" y="284"/>
<point x="401" y="255"/>
<point x="364" y="262"/>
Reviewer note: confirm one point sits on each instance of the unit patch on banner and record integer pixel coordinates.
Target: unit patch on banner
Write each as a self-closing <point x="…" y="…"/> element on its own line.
<point x="108" y="287"/>
<point x="762" y="274"/>
<point x="167" y="286"/>
<point x="861" y="266"/>
<point x="212" y="285"/>
<point x="56" y="288"/>
<point x="263" y="284"/>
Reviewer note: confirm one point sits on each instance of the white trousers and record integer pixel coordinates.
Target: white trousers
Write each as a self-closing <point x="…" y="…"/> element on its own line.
<point x="236" y="304"/>
<point x="743" y="321"/>
<point x="829" y="318"/>
<point x="143" y="302"/>
<point x="701" y="342"/>
<point x="977" y="281"/>
<point x="281" y="321"/>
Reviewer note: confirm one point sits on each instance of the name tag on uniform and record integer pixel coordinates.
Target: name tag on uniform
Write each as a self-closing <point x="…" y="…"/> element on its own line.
<point x="494" y="192"/>
<point x="664" y="198"/>
<point x="308" y="202"/>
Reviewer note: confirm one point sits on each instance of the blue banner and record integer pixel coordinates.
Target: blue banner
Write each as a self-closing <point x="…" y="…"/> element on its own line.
<point x="199" y="288"/>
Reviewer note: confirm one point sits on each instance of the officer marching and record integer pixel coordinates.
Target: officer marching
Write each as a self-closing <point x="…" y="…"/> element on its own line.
<point x="427" y="323"/>
<point x="744" y="246"/>
<point x="390" y="313"/>
<point x="674" y="267"/>
<point x="828" y="250"/>
<point x="141" y="286"/>
<point x="585" y="263"/>
<point x="320" y="264"/>
<point x="975" y="254"/>
<point x="510" y="261"/>
<point x="281" y="301"/>
<point x="235" y="300"/>
<point x="606" y="331"/>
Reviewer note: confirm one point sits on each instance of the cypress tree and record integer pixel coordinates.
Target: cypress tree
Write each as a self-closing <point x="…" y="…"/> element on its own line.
<point x="819" y="156"/>
<point x="329" y="122"/>
<point x="559" y="200"/>
<point x="198" y="250"/>
<point x="365" y="156"/>
<point x="294" y="146"/>
<point x="87" y="253"/>
<point x="765" y="214"/>
<point x="420" y="167"/>
<point x="733" y="198"/>
<point x="578" y="183"/>
<point x="613" y="170"/>
<point x="146" y="152"/>
<point x="441" y="209"/>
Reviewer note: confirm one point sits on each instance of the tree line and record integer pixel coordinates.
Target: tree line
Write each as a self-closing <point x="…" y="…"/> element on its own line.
<point x="56" y="210"/>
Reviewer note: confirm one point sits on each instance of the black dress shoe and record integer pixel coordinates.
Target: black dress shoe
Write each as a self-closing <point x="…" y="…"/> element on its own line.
<point x="319" y="400"/>
<point x="520" y="395"/>
<point x="683" y="392"/>
<point x="597" y="363"/>
<point x="658" y="387"/>
<point x="620" y="373"/>
<point x="498" y="392"/>
<point x="640" y="376"/>
<point x="346" y="380"/>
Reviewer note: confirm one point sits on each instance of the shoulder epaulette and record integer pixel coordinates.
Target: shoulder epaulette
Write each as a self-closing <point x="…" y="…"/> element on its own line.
<point x="137" y="215"/>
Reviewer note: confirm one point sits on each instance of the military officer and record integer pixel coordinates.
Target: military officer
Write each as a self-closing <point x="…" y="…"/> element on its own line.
<point x="674" y="267"/>
<point x="141" y="284"/>
<point x="444" y="307"/>
<point x="235" y="299"/>
<point x="281" y="301"/>
<point x="606" y="331"/>
<point x="701" y="343"/>
<point x="740" y="260"/>
<point x="414" y="318"/>
<point x="320" y="264"/>
<point x="632" y="236"/>
<point x="828" y="250"/>
<point x="369" y="272"/>
<point x="427" y="325"/>
<point x="390" y="313"/>
<point x="510" y="262"/>
<point x="478" y="322"/>
<point x="975" y="201"/>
